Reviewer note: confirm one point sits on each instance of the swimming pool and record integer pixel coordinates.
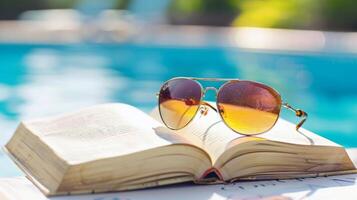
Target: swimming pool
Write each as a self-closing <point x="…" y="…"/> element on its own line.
<point x="40" y="79"/>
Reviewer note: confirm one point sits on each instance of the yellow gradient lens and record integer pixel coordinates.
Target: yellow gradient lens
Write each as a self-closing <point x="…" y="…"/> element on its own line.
<point x="247" y="107"/>
<point x="179" y="100"/>
<point x="176" y="113"/>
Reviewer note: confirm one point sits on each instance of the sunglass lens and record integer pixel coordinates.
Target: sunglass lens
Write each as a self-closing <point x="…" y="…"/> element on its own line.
<point x="248" y="107"/>
<point x="179" y="100"/>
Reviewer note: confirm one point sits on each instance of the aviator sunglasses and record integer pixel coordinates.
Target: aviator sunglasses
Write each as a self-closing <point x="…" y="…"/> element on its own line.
<point x="247" y="107"/>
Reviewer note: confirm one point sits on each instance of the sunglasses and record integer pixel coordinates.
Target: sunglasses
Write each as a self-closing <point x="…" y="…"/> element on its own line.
<point x="246" y="107"/>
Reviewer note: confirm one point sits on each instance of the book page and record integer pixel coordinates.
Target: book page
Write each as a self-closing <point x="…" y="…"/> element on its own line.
<point x="334" y="187"/>
<point x="100" y="132"/>
<point x="213" y="135"/>
<point x="206" y="131"/>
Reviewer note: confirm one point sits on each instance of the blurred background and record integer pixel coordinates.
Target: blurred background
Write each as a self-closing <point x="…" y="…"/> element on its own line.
<point x="61" y="55"/>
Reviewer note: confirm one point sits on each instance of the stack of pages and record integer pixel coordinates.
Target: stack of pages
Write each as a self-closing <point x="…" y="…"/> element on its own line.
<point x="117" y="147"/>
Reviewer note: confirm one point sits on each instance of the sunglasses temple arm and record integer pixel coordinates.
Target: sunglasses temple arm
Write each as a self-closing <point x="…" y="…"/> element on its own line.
<point x="299" y="113"/>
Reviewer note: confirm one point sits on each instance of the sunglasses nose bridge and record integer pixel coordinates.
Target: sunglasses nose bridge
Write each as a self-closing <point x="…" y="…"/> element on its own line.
<point x="210" y="88"/>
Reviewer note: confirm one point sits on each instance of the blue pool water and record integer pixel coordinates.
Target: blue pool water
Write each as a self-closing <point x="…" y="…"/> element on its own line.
<point x="40" y="80"/>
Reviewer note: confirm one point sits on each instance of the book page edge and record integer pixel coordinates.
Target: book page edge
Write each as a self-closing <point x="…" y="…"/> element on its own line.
<point x="287" y="177"/>
<point x="41" y="187"/>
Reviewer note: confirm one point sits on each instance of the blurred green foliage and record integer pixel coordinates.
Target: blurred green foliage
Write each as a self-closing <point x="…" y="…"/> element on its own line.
<point x="275" y="13"/>
<point x="207" y="6"/>
<point x="11" y="9"/>
<point x="338" y="14"/>
<point x="203" y="12"/>
<point x="301" y="14"/>
<point x="318" y="14"/>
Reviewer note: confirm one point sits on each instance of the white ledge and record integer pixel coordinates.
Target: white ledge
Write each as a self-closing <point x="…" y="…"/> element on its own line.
<point x="191" y="36"/>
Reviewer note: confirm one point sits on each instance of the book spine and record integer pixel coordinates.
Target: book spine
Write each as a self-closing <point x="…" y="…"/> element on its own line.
<point x="211" y="175"/>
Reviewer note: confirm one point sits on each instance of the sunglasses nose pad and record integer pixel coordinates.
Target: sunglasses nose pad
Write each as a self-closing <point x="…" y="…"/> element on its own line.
<point x="203" y="110"/>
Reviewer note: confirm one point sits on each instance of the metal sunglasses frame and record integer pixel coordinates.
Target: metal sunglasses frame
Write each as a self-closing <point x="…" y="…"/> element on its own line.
<point x="298" y="112"/>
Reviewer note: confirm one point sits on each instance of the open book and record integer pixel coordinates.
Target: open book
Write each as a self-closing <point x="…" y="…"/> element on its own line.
<point x="114" y="147"/>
